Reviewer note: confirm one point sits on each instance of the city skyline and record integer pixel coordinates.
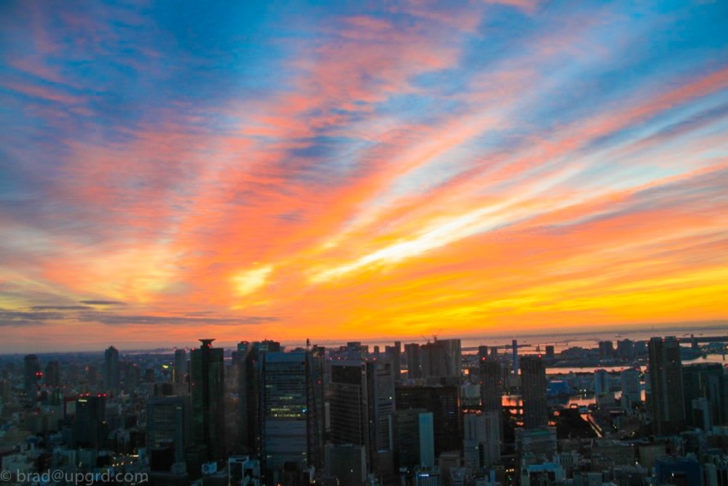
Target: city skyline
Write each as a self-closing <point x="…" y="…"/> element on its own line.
<point x="362" y="172"/>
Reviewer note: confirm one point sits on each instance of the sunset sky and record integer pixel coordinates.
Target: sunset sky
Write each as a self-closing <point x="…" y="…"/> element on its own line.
<point x="356" y="170"/>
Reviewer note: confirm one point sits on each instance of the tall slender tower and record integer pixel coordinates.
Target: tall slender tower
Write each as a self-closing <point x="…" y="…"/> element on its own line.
<point x="667" y="402"/>
<point x="180" y="366"/>
<point x="291" y="411"/>
<point x="533" y="390"/>
<point x="207" y="386"/>
<point x="111" y="370"/>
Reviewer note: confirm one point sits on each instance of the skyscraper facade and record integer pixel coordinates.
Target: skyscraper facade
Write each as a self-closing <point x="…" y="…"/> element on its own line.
<point x="491" y="384"/>
<point x="533" y="391"/>
<point x="32" y="375"/>
<point x="667" y="401"/>
<point x="291" y="410"/>
<point x="180" y="366"/>
<point x="207" y="390"/>
<point x="111" y="371"/>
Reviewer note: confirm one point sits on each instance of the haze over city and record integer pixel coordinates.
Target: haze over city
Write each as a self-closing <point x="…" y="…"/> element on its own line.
<point x="359" y="171"/>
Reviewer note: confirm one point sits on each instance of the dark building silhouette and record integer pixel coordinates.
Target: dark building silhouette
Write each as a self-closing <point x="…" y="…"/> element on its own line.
<point x="706" y="381"/>
<point x="414" y="438"/>
<point x="441" y="360"/>
<point x="111" y="370"/>
<point x="414" y="360"/>
<point x="533" y="391"/>
<point x="667" y="401"/>
<point x="394" y="354"/>
<point x="52" y="376"/>
<point x="245" y="368"/>
<point x="443" y="401"/>
<point x="207" y="390"/>
<point x="625" y="349"/>
<point x="491" y="384"/>
<point x="292" y="411"/>
<point x="180" y="367"/>
<point x="362" y="405"/>
<point x="89" y="424"/>
<point x="168" y="431"/>
<point x="32" y="375"/>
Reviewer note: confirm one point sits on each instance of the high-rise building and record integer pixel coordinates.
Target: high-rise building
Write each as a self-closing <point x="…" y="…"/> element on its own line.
<point x="514" y="347"/>
<point x="443" y="401"/>
<point x="207" y="387"/>
<point x="705" y="381"/>
<point x="180" y="367"/>
<point x="667" y="401"/>
<point x="32" y="375"/>
<point x="111" y="371"/>
<point x="394" y="354"/>
<point x="533" y="390"/>
<point x="482" y="437"/>
<point x="52" y="376"/>
<point x="167" y="431"/>
<point x="362" y="404"/>
<point x="414" y="438"/>
<point x="601" y="383"/>
<point x="291" y="409"/>
<point x="441" y="360"/>
<point x="89" y="424"/>
<point x="630" y="383"/>
<point x="491" y="385"/>
<point x="414" y="360"/>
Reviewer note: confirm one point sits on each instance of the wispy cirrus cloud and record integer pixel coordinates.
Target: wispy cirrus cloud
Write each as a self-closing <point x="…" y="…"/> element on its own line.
<point x="360" y="170"/>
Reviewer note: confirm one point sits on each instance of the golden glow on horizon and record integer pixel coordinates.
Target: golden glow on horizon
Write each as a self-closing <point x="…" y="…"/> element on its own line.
<point x="388" y="186"/>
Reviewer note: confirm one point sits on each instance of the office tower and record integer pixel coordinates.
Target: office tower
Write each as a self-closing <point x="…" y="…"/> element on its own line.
<point x="606" y="349"/>
<point x="414" y="361"/>
<point x="245" y="367"/>
<point x="443" y="401"/>
<point x="53" y="374"/>
<point x="414" y="438"/>
<point x="482" y="352"/>
<point x="666" y="385"/>
<point x="394" y="354"/>
<point x="481" y="439"/>
<point x="441" y="360"/>
<point x="291" y="411"/>
<point x="625" y="349"/>
<point x="207" y="387"/>
<point x="111" y="370"/>
<point x="32" y="375"/>
<point x="132" y="376"/>
<point x="180" y="367"/>
<point x="550" y="351"/>
<point x="89" y="424"/>
<point x="514" y="347"/>
<point x="491" y="385"/>
<point x="601" y="382"/>
<point x="349" y="405"/>
<point x="167" y="431"/>
<point x="630" y="383"/>
<point x="361" y="408"/>
<point x="705" y="381"/>
<point x="533" y="390"/>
